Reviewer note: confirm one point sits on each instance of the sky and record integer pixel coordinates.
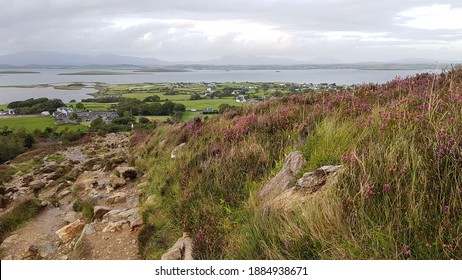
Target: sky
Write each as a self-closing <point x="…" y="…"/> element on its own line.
<point x="179" y="30"/>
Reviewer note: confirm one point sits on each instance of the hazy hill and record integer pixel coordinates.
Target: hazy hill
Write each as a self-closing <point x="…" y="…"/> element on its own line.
<point x="56" y="58"/>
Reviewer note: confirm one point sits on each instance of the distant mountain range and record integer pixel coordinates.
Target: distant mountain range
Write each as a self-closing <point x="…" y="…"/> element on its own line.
<point x="46" y="58"/>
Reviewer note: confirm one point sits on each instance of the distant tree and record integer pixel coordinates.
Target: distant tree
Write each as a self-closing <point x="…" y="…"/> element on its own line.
<point x="195" y="96"/>
<point x="96" y="124"/>
<point x="29" y="141"/>
<point x="152" y="98"/>
<point x="79" y="106"/>
<point x="143" y="120"/>
<point x="74" y="116"/>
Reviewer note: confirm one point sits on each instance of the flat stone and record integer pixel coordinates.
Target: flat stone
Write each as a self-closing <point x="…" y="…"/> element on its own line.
<point x="114" y="226"/>
<point x="68" y="232"/>
<point x="118" y="197"/>
<point x="48" y="248"/>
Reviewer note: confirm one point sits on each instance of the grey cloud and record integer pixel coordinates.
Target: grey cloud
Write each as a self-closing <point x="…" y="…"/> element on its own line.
<point x="296" y="28"/>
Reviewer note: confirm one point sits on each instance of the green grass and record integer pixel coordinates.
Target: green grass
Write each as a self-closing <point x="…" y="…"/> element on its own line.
<point x="190" y="115"/>
<point x="208" y="103"/>
<point x="142" y="96"/>
<point x="93" y="106"/>
<point x="32" y="123"/>
<point x="20" y="214"/>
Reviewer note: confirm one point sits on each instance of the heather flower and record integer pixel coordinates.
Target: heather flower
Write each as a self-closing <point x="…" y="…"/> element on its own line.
<point x="406" y="250"/>
<point x="386" y="188"/>
<point x="445" y="208"/>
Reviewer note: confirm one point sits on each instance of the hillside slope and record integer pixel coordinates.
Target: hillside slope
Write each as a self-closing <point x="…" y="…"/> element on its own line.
<point x="394" y="193"/>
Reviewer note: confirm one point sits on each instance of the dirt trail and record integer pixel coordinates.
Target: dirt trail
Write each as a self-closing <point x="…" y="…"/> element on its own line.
<point x="89" y="178"/>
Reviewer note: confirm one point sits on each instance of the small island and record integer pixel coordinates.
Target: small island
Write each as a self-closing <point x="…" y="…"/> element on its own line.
<point x="12" y="72"/>
<point x="86" y="73"/>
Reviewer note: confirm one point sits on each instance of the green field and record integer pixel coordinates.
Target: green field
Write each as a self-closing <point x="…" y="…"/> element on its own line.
<point x="93" y="106"/>
<point x="209" y="103"/>
<point x="190" y="115"/>
<point x="143" y="95"/>
<point x="32" y="123"/>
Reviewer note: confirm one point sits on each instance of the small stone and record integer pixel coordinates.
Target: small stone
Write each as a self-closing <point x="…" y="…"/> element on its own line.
<point x="114" y="226"/>
<point x="150" y="200"/>
<point x="64" y="193"/>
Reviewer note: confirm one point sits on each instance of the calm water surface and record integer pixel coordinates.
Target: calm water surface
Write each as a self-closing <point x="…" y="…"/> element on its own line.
<point x="51" y="76"/>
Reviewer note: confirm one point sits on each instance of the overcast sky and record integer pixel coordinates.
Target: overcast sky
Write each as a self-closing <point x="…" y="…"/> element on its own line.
<point x="347" y="30"/>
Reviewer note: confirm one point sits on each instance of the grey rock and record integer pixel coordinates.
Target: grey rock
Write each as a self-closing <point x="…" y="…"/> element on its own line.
<point x="127" y="172"/>
<point x="177" y="150"/>
<point x="282" y="181"/>
<point x="181" y="250"/>
<point x="48" y="248"/>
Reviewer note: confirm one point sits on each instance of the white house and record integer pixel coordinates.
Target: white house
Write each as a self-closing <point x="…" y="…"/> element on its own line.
<point x="241" y="99"/>
<point x="65" y="110"/>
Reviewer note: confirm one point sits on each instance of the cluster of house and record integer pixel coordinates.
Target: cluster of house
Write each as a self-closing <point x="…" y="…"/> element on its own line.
<point x="9" y="112"/>
<point x="65" y="115"/>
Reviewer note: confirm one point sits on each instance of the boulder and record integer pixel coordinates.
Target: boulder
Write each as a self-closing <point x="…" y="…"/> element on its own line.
<point x="91" y="179"/>
<point x="127" y="172"/>
<point x="87" y="230"/>
<point x="150" y="200"/>
<point x="71" y="217"/>
<point x="37" y="185"/>
<point x="135" y="221"/>
<point x="67" y="233"/>
<point x="283" y="180"/>
<point x="114" y="226"/>
<point x="306" y="188"/>
<point x="181" y="250"/>
<point x="117" y="182"/>
<point x="313" y="181"/>
<point x="118" y="197"/>
<point x="48" y="248"/>
<point x="64" y="193"/>
<point x="177" y="150"/>
<point x="99" y="212"/>
<point x="12" y="239"/>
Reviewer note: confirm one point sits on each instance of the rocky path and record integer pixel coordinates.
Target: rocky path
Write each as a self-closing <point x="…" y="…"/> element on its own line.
<point x="90" y="204"/>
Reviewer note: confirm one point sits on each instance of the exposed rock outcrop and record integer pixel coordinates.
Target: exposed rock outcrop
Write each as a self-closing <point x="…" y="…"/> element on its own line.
<point x="284" y="179"/>
<point x="67" y="233"/>
<point x="285" y="191"/>
<point x="182" y="250"/>
<point x="177" y="150"/>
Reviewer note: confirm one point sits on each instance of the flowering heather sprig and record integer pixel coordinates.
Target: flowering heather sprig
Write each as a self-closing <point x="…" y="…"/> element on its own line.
<point x="386" y="188"/>
<point x="406" y="250"/>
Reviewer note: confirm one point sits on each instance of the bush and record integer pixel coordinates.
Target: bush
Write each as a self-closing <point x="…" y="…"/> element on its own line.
<point x="83" y="206"/>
